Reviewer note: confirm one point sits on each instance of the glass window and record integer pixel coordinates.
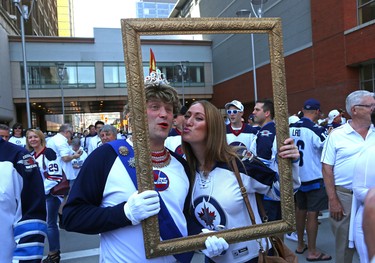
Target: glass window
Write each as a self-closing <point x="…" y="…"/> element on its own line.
<point x="45" y="75"/>
<point x="114" y="75"/>
<point x="71" y="77"/>
<point x="193" y="73"/>
<point x="162" y="5"/>
<point x="86" y="74"/>
<point x="163" y="13"/>
<point x="111" y="74"/>
<point x="368" y="77"/>
<point x="366" y="11"/>
<point x="149" y="5"/>
<point x="122" y="74"/>
<point x="41" y="75"/>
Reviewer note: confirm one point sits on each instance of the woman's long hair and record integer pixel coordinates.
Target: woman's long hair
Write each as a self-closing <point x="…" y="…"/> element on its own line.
<point x="217" y="148"/>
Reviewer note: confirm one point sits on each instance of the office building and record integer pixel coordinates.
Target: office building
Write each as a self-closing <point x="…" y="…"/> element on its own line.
<point x="328" y="47"/>
<point x="154" y="9"/>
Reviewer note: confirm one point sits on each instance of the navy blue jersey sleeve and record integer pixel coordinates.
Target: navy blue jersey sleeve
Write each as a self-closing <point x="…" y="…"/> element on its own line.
<point x="29" y="225"/>
<point x="83" y="212"/>
<point x="256" y="169"/>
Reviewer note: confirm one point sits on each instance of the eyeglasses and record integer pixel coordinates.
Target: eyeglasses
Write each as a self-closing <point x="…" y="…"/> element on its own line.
<point x="366" y="106"/>
<point x="229" y="112"/>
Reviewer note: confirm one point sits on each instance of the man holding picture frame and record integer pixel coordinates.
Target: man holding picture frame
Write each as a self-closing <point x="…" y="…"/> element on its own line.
<point x="105" y="199"/>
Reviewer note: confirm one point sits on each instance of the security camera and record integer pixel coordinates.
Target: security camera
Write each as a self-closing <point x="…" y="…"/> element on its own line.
<point x="13" y="17"/>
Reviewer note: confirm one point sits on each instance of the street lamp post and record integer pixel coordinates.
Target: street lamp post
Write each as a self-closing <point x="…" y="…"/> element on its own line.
<point x="61" y="70"/>
<point x="25" y="15"/>
<point x="182" y="71"/>
<point x="258" y="14"/>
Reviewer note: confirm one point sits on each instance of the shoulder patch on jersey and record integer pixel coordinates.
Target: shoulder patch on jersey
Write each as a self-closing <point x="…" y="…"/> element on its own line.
<point x="50" y="154"/>
<point x="28" y="162"/>
<point x="265" y="133"/>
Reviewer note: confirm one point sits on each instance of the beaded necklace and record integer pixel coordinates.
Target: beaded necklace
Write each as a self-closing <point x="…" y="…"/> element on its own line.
<point x="160" y="159"/>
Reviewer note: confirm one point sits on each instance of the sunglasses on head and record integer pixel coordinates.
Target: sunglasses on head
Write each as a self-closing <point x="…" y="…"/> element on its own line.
<point x="233" y="111"/>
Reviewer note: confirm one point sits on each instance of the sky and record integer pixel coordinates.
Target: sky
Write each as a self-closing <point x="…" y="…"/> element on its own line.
<point x="100" y="13"/>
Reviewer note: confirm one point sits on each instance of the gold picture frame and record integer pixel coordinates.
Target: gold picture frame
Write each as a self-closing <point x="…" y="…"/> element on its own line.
<point x="132" y="29"/>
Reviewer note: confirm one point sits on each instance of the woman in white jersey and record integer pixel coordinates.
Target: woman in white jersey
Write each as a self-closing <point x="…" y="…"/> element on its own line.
<point x="50" y="169"/>
<point x="215" y="196"/>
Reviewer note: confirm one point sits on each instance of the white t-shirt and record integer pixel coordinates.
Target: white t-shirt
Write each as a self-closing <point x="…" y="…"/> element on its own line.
<point x="341" y="150"/>
<point x="77" y="163"/>
<point x="18" y="141"/>
<point x="94" y="143"/>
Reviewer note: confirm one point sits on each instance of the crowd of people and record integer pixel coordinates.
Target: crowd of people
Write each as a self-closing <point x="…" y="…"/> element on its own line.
<point x="194" y="155"/>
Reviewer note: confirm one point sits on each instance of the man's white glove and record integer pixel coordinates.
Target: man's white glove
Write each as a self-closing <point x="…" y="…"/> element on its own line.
<point x="215" y="246"/>
<point x="142" y="206"/>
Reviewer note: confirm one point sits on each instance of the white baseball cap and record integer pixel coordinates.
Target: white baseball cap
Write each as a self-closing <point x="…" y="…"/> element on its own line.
<point x="236" y="104"/>
<point x="293" y="119"/>
<point x="332" y="115"/>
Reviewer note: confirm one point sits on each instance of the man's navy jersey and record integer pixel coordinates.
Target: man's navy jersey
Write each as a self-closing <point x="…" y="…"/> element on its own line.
<point x="309" y="138"/>
<point x="264" y="146"/>
<point x="22" y="206"/>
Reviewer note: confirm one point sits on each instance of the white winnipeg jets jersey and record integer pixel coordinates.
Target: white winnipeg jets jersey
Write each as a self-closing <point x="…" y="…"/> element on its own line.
<point x="309" y="138"/>
<point x="217" y="200"/>
<point x="241" y="137"/>
<point x="105" y="185"/>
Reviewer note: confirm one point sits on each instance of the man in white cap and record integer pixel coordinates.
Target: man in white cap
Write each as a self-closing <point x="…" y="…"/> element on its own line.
<point x="334" y="119"/>
<point x="238" y="132"/>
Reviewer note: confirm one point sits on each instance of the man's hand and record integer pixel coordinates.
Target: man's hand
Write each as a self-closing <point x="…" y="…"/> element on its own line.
<point x="289" y="150"/>
<point x="336" y="210"/>
<point x="142" y="206"/>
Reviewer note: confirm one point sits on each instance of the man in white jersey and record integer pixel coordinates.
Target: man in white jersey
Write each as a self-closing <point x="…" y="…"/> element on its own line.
<point x="238" y="132"/>
<point x="339" y="155"/>
<point x="311" y="196"/>
<point x="105" y="199"/>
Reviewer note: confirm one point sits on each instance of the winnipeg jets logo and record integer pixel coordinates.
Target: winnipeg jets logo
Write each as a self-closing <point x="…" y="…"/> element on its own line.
<point x="208" y="212"/>
<point x="161" y="180"/>
<point x="207" y="216"/>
